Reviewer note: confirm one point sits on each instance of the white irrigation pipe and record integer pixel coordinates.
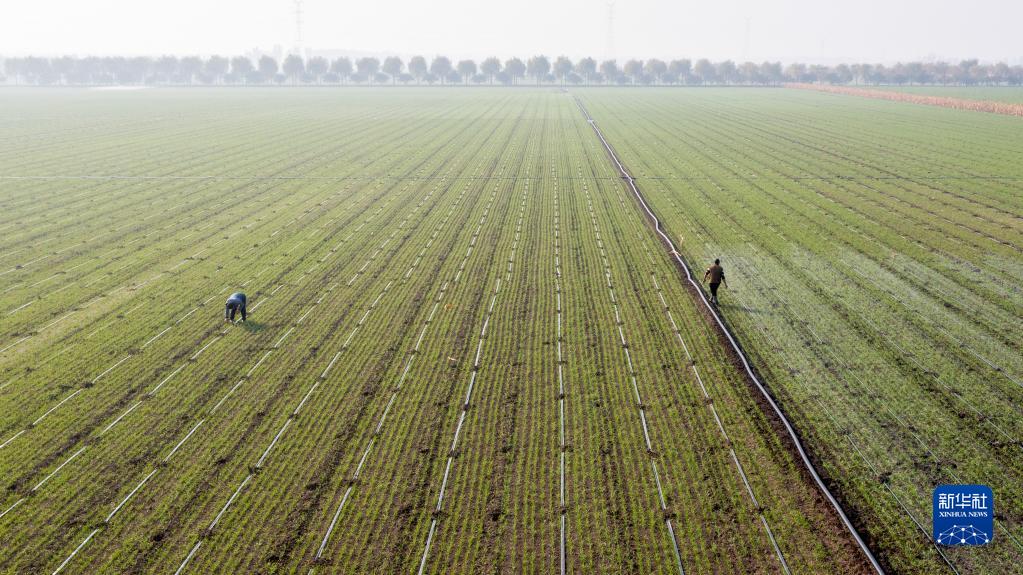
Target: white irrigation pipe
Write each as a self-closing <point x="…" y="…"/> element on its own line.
<point x="408" y="363"/>
<point x="205" y="347"/>
<point x="635" y="387"/>
<point x="673" y="250"/>
<point x="59" y="467"/>
<point x="89" y="303"/>
<point x="111" y="368"/>
<point x="269" y="448"/>
<point x="468" y="394"/>
<point x="156" y="337"/>
<point x="130" y="495"/>
<point x="120" y="417"/>
<point x="166" y="379"/>
<point x="901" y="421"/>
<point x="344" y="499"/>
<point x="294" y="413"/>
<point x="11" y="438"/>
<point x="183" y="440"/>
<point x="76" y="245"/>
<point x="710" y="405"/>
<point x="122" y="287"/>
<point x="21" y="307"/>
<point x="561" y="384"/>
<point x="52" y="409"/>
<point x="283" y="337"/>
<point x="995" y="367"/>
<point x="11" y="508"/>
<point x="15" y="343"/>
<point x="227" y="505"/>
<point x="146" y="235"/>
<point x="75" y="552"/>
<point x="885" y="485"/>
<point x="181" y="568"/>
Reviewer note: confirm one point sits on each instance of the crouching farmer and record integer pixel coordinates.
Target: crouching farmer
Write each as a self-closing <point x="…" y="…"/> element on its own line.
<point x="235" y="303"/>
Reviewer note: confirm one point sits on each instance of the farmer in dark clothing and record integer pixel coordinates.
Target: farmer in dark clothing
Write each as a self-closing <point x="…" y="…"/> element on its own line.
<point x="235" y="303"/>
<point x="716" y="275"/>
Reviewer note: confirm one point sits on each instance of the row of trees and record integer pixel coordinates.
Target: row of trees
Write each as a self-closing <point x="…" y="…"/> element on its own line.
<point x="170" y="70"/>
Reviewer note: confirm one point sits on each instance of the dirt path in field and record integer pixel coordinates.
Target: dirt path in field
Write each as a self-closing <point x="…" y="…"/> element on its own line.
<point x="766" y="400"/>
<point x="989" y="106"/>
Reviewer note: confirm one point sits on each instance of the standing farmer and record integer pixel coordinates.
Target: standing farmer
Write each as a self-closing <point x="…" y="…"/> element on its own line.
<point x="235" y="303"/>
<point x="716" y="275"/>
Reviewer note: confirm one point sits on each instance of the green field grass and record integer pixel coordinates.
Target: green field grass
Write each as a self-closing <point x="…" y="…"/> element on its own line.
<point x="464" y="348"/>
<point x="467" y="351"/>
<point x="1012" y="95"/>
<point x="873" y="250"/>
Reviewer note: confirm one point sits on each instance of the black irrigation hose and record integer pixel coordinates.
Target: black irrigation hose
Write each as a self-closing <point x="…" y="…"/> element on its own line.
<point x="734" y="344"/>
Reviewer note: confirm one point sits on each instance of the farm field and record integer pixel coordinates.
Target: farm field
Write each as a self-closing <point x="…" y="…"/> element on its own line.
<point x="872" y="251"/>
<point x="1012" y="95"/>
<point x="466" y="351"/>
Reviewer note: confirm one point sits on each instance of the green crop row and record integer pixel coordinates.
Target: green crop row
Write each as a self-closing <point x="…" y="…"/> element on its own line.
<point x="874" y="266"/>
<point x="465" y="352"/>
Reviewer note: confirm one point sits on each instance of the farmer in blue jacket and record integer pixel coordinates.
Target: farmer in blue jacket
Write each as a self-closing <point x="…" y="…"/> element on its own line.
<point x="235" y="303"/>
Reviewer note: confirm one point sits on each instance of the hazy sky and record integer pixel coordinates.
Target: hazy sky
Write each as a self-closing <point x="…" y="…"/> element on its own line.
<point x="808" y="30"/>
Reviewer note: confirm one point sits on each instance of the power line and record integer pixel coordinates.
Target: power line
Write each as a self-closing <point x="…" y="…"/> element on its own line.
<point x="298" y="28"/>
<point x="609" y="48"/>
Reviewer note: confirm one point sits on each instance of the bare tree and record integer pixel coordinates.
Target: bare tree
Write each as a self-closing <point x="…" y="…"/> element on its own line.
<point x="820" y="73"/>
<point x="13" y="68"/>
<point x="796" y="72"/>
<point x="293" y="67"/>
<point x="938" y="69"/>
<point x="727" y="72"/>
<point x="417" y="68"/>
<point x="141" y="67"/>
<point x="633" y="69"/>
<point x="64" y="67"/>
<point x="491" y="67"/>
<point x="267" y="68"/>
<point x="466" y="69"/>
<point x="392" y="67"/>
<point x="609" y="68"/>
<point x="166" y="67"/>
<point x="189" y="67"/>
<point x="969" y="72"/>
<point x="587" y="68"/>
<point x="241" y="68"/>
<point x="749" y="73"/>
<point x="538" y="67"/>
<point x="704" y="71"/>
<point x="317" y="67"/>
<point x="515" y="69"/>
<point x="656" y="68"/>
<point x="842" y="74"/>
<point x="771" y="73"/>
<point x="368" y="67"/>
<point x="681" y="69"/>
<point x="562" y="68"/>
<point x="342" y="67"/>
<point x="441" y="67"/>
<point x="216" y="67"/>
